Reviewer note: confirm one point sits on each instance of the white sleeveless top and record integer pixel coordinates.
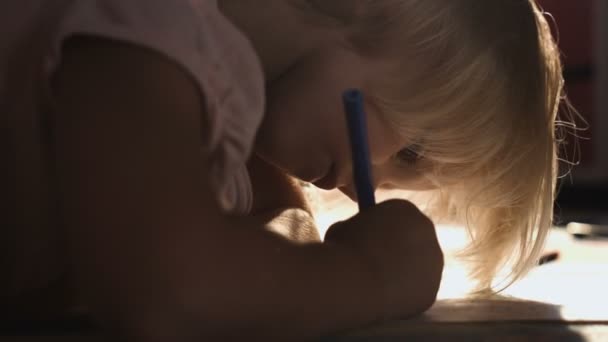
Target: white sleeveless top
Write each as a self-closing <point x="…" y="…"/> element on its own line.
<point x="192" y="33"/>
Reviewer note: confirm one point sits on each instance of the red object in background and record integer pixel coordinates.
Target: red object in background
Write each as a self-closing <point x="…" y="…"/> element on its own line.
<point x="575" y="32"/>
<point x="574" y="20"/>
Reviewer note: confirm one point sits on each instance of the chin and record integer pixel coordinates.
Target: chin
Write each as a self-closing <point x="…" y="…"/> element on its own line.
<point x="349" y="193"/>
<point x="307" y="177"/>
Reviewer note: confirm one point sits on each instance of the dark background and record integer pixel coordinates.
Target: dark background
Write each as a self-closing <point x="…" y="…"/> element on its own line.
<point x="583" y="39"/>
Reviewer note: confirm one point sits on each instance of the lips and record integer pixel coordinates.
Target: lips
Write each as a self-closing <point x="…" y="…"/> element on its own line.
<point x="328" y="181"/>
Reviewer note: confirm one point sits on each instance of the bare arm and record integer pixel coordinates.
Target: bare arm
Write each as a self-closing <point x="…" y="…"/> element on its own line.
<point x="153" y="255"/>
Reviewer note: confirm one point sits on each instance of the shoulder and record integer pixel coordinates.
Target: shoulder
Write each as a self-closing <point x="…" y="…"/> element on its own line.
<point x="101" y="67"/>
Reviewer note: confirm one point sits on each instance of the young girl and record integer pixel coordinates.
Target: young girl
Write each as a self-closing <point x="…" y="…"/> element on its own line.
<point x="152" y="150"/>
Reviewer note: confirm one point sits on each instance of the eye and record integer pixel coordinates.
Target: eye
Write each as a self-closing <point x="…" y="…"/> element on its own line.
<point x="410" y="154"/>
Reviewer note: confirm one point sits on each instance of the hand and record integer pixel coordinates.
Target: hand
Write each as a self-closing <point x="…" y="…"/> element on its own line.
<point x="401" y="247"/>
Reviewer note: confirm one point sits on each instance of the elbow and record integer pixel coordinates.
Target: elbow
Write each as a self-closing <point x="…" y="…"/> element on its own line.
<point x="138" y="324"/>
<point x="142" y="317"/>
<point x="173" y="320"/>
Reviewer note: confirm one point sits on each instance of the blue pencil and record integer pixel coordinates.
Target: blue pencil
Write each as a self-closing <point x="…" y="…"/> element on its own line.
<point x="357" y="131"/>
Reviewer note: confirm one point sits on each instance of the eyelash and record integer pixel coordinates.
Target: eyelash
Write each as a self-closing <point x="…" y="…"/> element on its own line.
<point x="409" y="155"/>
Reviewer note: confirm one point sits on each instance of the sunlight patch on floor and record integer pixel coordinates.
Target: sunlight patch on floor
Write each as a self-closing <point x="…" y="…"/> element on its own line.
<point x="576" y="282"/>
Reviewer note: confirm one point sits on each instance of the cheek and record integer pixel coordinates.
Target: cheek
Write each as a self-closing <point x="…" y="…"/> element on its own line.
<point x="308" y="100"/>
<point x="303" y="123"/>
<point x="311" y="88"/>
<point x="299" y="113"/>
<point x="383" y="141"/>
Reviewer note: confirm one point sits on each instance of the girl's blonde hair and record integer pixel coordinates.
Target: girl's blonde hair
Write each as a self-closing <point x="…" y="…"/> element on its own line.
<point x="477" y="91"/>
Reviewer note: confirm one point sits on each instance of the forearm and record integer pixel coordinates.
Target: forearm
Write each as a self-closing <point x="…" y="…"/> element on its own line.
<point x="260" y="286"/>
<point x="306" y="290"/>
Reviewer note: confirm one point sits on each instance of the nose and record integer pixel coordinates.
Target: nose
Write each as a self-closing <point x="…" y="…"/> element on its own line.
<point x="348" y="184"/>
<point x="382" y="177"/>
<point x="350" y="188"/>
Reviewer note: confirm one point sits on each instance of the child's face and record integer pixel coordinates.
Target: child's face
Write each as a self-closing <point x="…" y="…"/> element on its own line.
<point x="304" y="132"/>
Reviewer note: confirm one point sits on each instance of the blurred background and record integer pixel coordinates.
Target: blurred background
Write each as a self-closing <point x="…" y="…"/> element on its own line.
<point x="582" y="30"/>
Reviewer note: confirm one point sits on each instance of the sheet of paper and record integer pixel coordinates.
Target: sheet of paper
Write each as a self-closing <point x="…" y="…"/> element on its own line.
<point x="569" y="292"/>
